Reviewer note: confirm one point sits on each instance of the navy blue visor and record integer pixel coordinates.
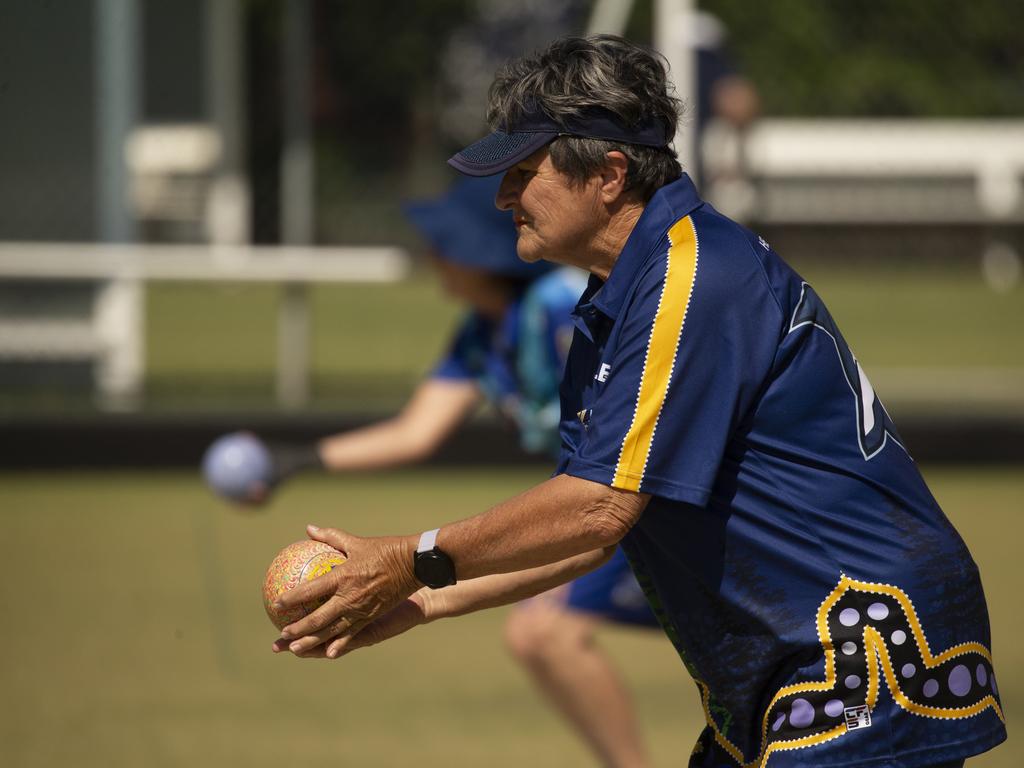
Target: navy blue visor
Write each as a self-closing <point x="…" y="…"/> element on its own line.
<point x="500" y="150"/>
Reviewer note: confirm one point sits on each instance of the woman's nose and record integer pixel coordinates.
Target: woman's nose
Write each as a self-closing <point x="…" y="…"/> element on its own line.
<point x="507" y="192"/>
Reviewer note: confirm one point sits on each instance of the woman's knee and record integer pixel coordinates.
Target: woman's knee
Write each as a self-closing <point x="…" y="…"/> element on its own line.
<point x="540" y="631"/>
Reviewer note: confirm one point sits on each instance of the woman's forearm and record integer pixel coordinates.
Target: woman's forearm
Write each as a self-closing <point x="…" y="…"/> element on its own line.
<point x="429" y="605"/>
<point x="505" y="588"/>
<point x="555" y="520"/>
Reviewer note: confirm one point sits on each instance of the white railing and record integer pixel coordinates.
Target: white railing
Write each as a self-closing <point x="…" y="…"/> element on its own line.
<point x="111" y="333"/>
<point x="813" y="171"/>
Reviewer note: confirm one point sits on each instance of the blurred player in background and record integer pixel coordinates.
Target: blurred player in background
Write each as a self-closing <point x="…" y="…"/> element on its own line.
<point x="723" y="93"/>
<point x="510" y="350"/>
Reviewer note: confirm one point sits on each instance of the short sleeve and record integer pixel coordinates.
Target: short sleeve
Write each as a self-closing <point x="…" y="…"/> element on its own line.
<point x="466" y="355"/>
<point x="545" y="334"/>
<point x="686" y="361"/>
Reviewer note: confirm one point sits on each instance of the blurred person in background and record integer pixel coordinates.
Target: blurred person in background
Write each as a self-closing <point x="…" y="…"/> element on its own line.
<point x="727" y="99"/>
<point x="510" y="351"/>
<point x="718" y="427"/>
<point x="722" y="91"/>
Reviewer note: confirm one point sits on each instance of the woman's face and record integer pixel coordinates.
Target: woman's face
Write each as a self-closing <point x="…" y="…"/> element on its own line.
<point x="486" y="293"/>
<point x="556" y="218"/>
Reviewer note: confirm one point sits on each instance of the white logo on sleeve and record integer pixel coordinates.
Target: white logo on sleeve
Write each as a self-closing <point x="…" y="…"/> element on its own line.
<point x="602" y="375"/>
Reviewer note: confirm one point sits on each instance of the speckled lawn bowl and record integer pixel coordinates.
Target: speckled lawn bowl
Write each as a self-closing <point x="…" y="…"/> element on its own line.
<point x="296" y="563"/>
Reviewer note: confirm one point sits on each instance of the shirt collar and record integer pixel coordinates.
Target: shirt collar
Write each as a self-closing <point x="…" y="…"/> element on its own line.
<point x="669" y="204"/>
<point x="584" y="314"/>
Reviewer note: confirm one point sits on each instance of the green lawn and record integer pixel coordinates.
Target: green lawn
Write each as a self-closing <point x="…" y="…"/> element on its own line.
<point x="931" y="316"/>
<point x="932" y="338"/>
<point x="937" y="334"/>
<point x="135" y="634"/>
<point x="369" y="343"/>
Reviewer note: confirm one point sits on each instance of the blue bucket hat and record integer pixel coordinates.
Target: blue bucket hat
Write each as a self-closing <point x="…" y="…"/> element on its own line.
<point x="465" y="228"/>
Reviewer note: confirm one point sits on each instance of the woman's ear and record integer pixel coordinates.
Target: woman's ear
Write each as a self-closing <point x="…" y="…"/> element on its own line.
<point x="613" y="176"/>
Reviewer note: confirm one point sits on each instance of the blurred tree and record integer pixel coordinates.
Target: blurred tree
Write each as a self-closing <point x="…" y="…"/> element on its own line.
<point x="375" y="69"/>
<point x="922" y="58"/>
<point x="376" y="72"/>
<point x="395" y="82"/>
<point x="374" y="63"/>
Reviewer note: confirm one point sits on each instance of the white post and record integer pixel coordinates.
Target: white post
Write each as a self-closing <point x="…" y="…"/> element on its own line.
<point x="293" y="345"/>
<point x="297" y="156"/>
<point x="118" y="321"/>
<point x="296" y="202"/>
<point x="119" y="324"/>
<point x="117" y="84"/>
<point x="676" y="40"/>
<point x="228" y="206"/>
<point x="609" y="17"/>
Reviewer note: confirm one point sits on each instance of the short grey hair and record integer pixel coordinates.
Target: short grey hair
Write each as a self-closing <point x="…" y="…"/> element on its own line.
<point x="576" y="73"/>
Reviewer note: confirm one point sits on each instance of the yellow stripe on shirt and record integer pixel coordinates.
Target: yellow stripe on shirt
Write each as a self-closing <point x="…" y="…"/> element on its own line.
<point x="680" y="273"/>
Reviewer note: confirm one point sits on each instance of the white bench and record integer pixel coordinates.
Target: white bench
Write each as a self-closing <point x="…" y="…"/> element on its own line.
<point x="865" y="171"/>
<point x="110" y="333"/>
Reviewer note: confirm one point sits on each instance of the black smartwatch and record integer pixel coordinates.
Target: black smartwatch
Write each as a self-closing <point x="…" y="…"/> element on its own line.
<point x="430" y="565"/>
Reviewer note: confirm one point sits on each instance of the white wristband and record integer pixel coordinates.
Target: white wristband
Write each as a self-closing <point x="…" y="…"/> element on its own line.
<point x="427" y="540"/>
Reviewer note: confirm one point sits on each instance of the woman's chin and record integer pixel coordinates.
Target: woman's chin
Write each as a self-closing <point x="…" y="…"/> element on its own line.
<point x="527" y="253"/>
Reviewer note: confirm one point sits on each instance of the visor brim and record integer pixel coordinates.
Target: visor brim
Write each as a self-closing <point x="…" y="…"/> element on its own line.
<point x="499" y="151"/>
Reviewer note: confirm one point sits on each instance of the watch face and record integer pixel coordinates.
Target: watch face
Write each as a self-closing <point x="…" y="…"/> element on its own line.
<point x="434" y="568"/>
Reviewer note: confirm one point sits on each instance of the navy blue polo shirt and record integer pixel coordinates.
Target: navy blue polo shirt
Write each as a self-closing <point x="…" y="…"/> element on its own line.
<point x="828" y="611"/>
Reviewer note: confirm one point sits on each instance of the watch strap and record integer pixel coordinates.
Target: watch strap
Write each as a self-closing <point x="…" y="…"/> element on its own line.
<point x="428" y="540"/>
